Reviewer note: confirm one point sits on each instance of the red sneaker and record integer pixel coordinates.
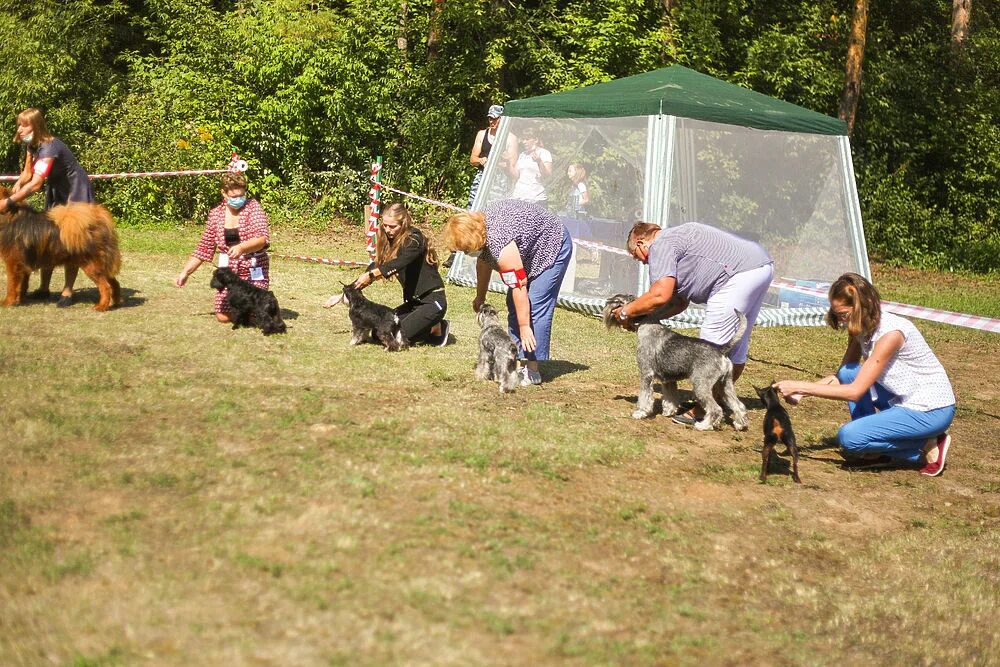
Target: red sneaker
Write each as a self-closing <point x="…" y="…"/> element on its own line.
<point x="936" y="468"/>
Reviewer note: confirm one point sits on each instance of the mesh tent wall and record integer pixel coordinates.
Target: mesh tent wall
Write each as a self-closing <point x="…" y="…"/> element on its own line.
<point x="674" y="146"/>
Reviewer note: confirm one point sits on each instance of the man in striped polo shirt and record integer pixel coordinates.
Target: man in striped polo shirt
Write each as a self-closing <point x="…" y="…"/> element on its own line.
<point x="696" y="263"/>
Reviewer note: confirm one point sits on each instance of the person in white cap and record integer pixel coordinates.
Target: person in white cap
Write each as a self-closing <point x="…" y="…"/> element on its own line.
<point x="481" y="149"/>
<point x="484" y="144"/>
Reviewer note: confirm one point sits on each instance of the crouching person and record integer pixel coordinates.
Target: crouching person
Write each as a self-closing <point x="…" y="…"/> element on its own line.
<point x="238" y="229"/>
<point x="403" y="252"/>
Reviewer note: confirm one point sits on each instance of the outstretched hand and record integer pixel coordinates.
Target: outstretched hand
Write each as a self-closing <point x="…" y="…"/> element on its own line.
<point x="363" y="281"/>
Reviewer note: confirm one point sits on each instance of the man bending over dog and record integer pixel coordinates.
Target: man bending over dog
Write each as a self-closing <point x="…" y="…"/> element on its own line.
<point x="696" y="263"/>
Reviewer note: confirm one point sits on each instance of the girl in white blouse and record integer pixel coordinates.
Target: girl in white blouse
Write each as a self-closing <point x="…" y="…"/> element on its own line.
<point x="900" y="400"/>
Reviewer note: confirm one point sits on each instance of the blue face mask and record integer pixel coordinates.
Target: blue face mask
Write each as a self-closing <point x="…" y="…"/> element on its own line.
<point x="236" y="203"/>
<point x="27" y="139"/>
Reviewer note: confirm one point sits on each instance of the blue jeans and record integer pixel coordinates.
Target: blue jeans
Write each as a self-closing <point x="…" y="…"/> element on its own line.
<point x="877" y="427"/>
<point x="543" y="290"/>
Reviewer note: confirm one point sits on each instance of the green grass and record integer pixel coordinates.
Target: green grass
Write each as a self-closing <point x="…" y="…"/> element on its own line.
<point x="173" y="492"/>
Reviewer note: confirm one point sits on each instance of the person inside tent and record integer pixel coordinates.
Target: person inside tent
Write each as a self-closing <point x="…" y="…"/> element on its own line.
<point x="532" y="170"/>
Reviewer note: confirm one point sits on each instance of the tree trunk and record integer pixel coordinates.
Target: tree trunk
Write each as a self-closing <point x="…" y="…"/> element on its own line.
<point x="434" y="36"/>
<point x="961" y="13"/>
<point x="669" y="47"/>
<point x="855" y="59"/>
<point x="401" y="42"/>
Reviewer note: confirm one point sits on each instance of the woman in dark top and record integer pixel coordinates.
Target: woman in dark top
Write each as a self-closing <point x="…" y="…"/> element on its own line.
<point x="402" y="251"/>
<point x="50" y="163"/>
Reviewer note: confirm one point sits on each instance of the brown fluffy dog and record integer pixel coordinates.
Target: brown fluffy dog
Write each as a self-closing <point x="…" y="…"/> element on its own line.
<point x="76" y="235"/>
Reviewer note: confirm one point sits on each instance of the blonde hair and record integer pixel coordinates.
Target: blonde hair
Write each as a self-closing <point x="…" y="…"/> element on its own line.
<point x="579" y="173"/>
<point x="856" y="292"/>
<point x="39" y="128"/>
<point x="466" y="231"/>
<point x="387" y="249"/>
<point x="640" y="232"/>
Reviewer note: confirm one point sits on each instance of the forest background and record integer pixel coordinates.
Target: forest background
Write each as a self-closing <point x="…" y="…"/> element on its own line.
<point x="310" y="92"/>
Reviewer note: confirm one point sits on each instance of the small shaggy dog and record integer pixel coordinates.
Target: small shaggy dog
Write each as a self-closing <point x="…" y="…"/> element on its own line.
<point x="497" y="352"/>
<point x="248" y="304"/>
<point x="370" y="319"/>
<point x="668" y="357"/>
<point x="75" y="235"/>
<point x="777" y="427"/>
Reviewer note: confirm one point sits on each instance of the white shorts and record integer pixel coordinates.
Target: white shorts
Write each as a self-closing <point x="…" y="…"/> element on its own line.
<point x="744" y="292"/>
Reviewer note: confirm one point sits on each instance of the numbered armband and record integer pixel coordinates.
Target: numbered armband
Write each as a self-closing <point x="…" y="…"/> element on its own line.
<point x="514" y="278"/>
<point x="42" y="167"/>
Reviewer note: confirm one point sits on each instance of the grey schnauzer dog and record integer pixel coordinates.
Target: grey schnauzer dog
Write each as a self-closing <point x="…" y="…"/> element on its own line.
<point x="668" y="357"/>
<point x="497" y="352"/>
<point x="370" y="319"/>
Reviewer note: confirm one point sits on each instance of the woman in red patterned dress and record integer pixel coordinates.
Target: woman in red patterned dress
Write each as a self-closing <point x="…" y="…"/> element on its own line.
<point x="238" y="229"/>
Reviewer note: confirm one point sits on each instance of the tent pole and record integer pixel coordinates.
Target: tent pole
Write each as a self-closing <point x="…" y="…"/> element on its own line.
<point x="860" y="247"/>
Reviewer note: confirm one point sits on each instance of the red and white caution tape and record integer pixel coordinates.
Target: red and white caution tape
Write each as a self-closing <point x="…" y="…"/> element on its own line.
<point x="426" y="200"/>
<point x="931" y="314"/>
<point x="235" y="165"/>
<point x="322" y="260"/>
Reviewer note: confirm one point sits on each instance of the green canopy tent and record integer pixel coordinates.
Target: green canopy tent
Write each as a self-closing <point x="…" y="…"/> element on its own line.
<point x="673" y="146"/>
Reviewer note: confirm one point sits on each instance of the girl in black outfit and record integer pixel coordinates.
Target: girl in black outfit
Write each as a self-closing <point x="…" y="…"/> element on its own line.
<point x="402" y="251"/>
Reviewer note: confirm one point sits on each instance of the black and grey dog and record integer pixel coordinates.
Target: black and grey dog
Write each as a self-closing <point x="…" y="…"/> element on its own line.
<point x="668" y="357"/>
<point x="497" y="352"/>
<point x="249" y="305"/>
<point x="370" y="319"/>
<point x="777" y="428"/>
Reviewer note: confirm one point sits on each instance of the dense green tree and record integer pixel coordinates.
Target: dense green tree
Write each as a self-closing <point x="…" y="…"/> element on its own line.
<point x="310" y="92"/>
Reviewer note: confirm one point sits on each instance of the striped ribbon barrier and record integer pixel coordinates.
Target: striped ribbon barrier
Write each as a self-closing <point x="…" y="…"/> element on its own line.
<point x="235" y="165"/>
<point x="321" y="260"/>
<point x="920" y="312"/>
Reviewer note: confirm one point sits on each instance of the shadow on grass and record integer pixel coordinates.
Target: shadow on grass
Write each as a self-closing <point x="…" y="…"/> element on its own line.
<point x="553" y="369"/>
<point x="767" y="362"/>
<point x="86" y="296"/>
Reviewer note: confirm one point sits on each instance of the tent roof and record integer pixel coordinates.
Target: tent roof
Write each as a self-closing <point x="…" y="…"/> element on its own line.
<point x="677" y="91"/>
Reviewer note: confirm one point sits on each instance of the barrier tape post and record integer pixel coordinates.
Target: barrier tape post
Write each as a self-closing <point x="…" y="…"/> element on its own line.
<point x="375" y="195"/>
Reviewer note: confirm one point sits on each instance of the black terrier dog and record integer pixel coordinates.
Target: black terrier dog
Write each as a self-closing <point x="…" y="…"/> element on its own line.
<point x="249" y="305"/>
<point x="370" y="319"/>
<point x="777" y="426"/>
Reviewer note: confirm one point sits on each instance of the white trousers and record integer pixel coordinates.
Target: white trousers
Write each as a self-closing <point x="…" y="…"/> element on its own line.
<point x="744" y="292"/>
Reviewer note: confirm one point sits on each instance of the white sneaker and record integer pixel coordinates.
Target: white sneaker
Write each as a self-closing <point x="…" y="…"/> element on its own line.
<point x="529" y="377"/>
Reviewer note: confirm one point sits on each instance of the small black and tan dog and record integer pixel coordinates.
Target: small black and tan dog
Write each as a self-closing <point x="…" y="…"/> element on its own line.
<point x="370" y="319"/>
<point x="249" y="305"/>
<point x="777" y="427"/>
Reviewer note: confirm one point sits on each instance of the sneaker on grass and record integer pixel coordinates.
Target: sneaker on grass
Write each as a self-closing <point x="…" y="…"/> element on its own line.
<point x="529" y="376"/>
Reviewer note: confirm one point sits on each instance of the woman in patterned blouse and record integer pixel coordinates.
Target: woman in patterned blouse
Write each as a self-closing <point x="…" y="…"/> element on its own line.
<point x="238" y="229"/>
<point x="900" y="399"/>
<point x="531" y="249"/>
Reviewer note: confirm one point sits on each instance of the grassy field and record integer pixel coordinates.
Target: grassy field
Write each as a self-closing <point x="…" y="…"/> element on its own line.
<point x="176" y="493"/>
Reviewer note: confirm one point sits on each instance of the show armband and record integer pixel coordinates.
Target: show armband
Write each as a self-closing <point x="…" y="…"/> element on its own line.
<point x="42" y="167"/>
<point x="515" y="278"/>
